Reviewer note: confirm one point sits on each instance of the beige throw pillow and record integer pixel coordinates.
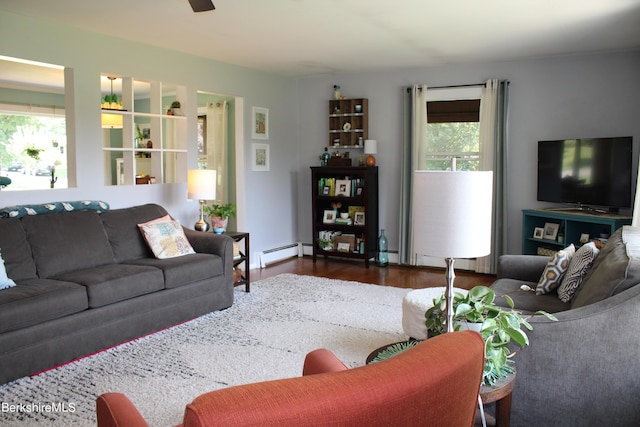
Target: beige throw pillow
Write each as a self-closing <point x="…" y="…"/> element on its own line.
<point x="165" y="238"/>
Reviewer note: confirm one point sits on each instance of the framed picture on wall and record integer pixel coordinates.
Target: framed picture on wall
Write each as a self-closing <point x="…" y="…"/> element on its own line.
<point x="260" y="157"/>
<point x="260" y="123"/>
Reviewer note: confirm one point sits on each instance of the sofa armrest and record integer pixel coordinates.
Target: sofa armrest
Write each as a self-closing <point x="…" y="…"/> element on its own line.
<point x="322" y="361"/>
<point x="116" y="410"/>
<point x="527" y="268"/>
<point x="210" y="243"/>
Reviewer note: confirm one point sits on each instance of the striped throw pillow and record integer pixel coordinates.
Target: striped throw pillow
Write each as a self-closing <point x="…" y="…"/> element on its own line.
<point x="578" y="267"/>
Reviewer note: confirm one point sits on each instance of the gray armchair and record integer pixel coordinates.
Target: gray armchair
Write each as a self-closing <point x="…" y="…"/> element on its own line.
<point x="584" y="369"/>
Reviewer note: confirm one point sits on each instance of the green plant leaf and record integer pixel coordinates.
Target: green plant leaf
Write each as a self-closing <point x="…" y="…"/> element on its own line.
<point x="518" y="336"/>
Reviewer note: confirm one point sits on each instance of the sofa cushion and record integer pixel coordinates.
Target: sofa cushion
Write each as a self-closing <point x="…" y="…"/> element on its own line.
<point x="165" y="238"/>
<point x="578" y="268"/>
<point x="186" y="269"/>
<point x="555" y="270"/>
<point x="65" y="242"/>
<point x="35" y="301"/>
<point x="527" y="301"/>
<point x="616" y="269"/>
<point x="124" y="236"/>
<point x="5" y="281"/>
<point x="16" y="251"/>
<point x="107" y="284"/>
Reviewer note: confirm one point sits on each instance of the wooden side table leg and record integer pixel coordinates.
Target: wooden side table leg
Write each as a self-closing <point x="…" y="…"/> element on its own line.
<point x="247" y="264"/>
<point x="503" y="411"/>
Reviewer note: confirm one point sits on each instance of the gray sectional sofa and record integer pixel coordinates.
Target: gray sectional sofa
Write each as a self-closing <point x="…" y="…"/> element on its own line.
<point x="584" y="369"/>
<point x="86" y="280"/>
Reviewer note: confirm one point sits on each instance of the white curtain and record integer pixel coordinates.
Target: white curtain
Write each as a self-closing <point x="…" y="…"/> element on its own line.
<point x="218" y="146"/>
<point x="413" y="158"/>
<point x="493" y="156"/>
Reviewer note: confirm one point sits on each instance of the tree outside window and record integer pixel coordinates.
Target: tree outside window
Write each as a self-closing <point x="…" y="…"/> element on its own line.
<point x="453" y="130"/>
<point x="33" y="150"/>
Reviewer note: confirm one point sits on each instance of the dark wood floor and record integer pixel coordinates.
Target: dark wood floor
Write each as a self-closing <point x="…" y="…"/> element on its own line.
<point x="393" y="275"/>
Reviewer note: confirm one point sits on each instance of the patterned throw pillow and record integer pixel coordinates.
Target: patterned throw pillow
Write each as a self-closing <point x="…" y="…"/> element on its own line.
<point x="5" y="282"/>
<point x="165" y="238"/>
<point x="578" y="267"/>
<point x="555" y="270"/>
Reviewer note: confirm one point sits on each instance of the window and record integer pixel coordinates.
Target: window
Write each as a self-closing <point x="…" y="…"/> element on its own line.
<point x="453" y="130"/>
<point x="33" y="146"/>
<point x="33" y="137"/>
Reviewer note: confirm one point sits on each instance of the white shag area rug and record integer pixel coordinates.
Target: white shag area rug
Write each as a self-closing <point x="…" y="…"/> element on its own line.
<point x="265" y="335"/>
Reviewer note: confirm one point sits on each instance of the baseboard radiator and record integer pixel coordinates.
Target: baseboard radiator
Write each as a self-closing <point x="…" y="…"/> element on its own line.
<point x="269" y="256"/>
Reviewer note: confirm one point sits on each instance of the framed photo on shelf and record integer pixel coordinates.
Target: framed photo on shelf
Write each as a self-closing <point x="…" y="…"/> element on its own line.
<point x="359" y="191"/>
<point x="551" y="230"/>
<point x="358" y="218"/>
<point x="329" y="216"/>
<point x="343" y="187"/>
<point x="538" y="233"/>
<point x="326" y="190"/>
<point x="260" y="157"/>
<point x="260" y="121"/>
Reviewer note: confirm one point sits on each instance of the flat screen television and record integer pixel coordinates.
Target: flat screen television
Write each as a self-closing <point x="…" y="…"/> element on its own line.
<point x="587" y="172"/>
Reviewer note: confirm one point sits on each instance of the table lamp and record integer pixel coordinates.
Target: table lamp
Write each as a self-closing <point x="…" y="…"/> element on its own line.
<point x="201" y="185"/>
<point x="452" y="219"/>
<point x="370" y="148"/>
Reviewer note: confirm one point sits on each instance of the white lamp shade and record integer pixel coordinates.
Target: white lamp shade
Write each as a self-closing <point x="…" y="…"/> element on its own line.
<point x="201" y="184"/>
<point x="452" y="213"/>
<point x="370" y="146"/>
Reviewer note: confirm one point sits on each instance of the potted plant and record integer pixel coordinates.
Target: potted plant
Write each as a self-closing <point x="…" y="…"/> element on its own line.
<point x="219" y="214"/>
<point x="175" y="108"/>
<point x="497" y="325"/>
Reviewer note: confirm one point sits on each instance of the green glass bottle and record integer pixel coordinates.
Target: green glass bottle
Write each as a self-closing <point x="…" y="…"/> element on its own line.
<point x="383" y="247"/>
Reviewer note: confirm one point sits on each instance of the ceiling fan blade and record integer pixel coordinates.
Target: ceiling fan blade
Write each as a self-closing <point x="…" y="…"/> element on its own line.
<point x="201" y="5"/>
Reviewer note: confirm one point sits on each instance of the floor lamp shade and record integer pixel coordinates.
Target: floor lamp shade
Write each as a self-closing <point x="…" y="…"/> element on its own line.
<point x="201" y="184"/>
<point x="452" y="213"/>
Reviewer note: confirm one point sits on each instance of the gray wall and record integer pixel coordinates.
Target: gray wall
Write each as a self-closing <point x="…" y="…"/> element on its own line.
<point x="568" y="97"/>
<point x="550" y="98"/>
<point x="270" y="203"/>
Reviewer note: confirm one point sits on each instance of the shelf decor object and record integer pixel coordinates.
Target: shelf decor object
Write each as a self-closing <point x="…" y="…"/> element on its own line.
<point x="110" y="102"/>
<point x="452" y="217"/>
<point x="201" y="185"/>
<point x="370" y="148"/>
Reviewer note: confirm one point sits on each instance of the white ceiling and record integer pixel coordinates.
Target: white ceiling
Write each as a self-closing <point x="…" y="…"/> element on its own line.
<point x="308" y="37"/>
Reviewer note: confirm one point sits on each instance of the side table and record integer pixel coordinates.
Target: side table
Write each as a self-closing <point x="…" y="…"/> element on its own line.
<point x="243" y="257"/>
<point x="500" y="393"/>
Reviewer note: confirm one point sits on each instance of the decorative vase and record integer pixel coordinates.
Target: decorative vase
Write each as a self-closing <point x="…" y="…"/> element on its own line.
<point x="219" y="224"/>
<point x="383" y="247"/>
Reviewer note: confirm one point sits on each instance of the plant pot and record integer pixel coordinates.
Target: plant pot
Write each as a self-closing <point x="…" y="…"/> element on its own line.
<point x="219" y="224"/>
<point x="468" y="326"/>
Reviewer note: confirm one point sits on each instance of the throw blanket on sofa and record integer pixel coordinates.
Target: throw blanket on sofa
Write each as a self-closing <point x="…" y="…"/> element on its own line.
<point x="54" y="207"/>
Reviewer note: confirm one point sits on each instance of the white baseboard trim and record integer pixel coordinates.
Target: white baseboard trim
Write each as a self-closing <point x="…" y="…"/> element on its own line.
<point x="306" y="249"/>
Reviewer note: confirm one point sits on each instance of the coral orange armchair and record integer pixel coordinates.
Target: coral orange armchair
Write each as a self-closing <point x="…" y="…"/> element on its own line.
<point x="435" y="383"/>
